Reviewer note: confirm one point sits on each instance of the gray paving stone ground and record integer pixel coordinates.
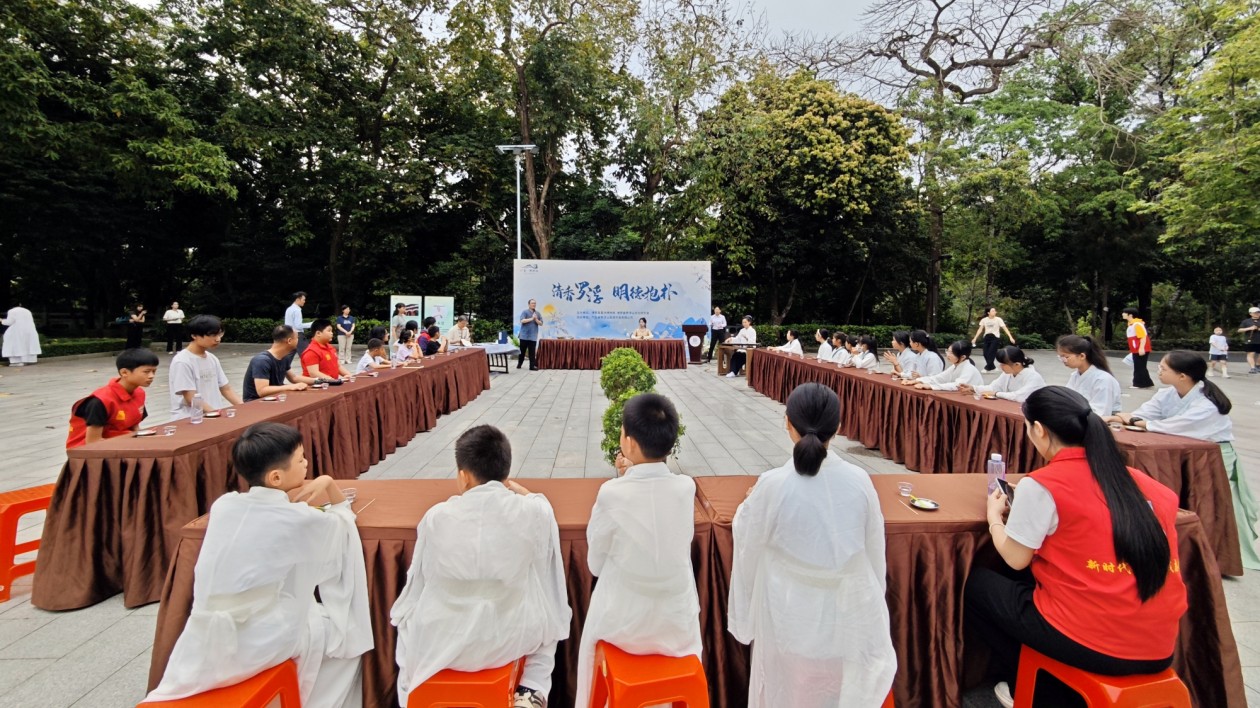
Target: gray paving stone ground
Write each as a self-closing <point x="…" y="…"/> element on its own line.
<point x="99" y="657"/>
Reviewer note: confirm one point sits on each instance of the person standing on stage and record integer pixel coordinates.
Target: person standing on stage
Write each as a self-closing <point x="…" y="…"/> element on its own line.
<point x="293" y="318"/>
<point x="717" y="330"/>
<point x="529" y="319"/>
<point x="990" y="327"/>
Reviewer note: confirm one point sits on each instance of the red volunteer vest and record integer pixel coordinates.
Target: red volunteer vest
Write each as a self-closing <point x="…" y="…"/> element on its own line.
<point x="126" y="410"/>
<point x="1135" y="341"/>
<point x="1083" y="590"/>
<point x="322" y="357"/>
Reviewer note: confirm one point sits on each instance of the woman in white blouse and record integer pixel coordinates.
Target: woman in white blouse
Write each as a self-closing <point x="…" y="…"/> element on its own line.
<point x="1091" y="376"/>
<point x="1018" y="379"/>
<point x="928" y="361"/>
<point x="903" y="359"/>
<point x="793" y="345"/>
<point x="841" y="349"/>
<point x="990" y="327"/>
<point x="865" y="354"/>
<point x="823" y="337"/>
<point x="961" y="371"/>
<point x="717" y="330"/>
<point x="642" y="332"/>
<point x="1197" y="408"/>
<point x="747" y="335"/>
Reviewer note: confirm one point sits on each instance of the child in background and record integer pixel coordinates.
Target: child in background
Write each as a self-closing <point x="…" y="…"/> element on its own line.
<point x="486" y="583"/>
<point x="373" y="358"/>
<point x="265" y="553"/>
<point x="117" y="407"/>
<point x="639" y="541"/>
<point x="1218" y="353"/>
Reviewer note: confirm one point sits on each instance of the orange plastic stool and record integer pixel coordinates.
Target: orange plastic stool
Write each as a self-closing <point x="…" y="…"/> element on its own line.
<point x="12" y="506"/>
<point x="256" y="692"/>
<point x="1161" y="690"/>
<point x="491" y="688"/>
<point x="624" y="680"/>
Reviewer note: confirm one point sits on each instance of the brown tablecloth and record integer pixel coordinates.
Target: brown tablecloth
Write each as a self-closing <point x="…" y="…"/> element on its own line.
<point x="116" y="513"/>
<point x="929" y="557"/>
<point x="588" y="353"/>
<point x="388" y="530"/>
<point x="942" y="431"/>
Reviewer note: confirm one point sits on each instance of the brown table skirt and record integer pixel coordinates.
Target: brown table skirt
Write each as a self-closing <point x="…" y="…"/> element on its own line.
<point x="588" y="353"/>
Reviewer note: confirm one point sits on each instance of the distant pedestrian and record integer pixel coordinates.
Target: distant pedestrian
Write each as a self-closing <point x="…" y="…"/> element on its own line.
<point x="21" y="341"/>
<point x="135" y="326"/>
<point x="174" y="321"/>
<point x="1250" y="328"/>
<point x="1218" y="353"/>
<point x="345" y="335"/>
<point x="293" y="318"/>
<point x="1139" y="347"/>
<point x="990" y="327"/>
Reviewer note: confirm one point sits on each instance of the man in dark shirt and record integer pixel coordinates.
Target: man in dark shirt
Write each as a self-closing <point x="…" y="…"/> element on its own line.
<point x="269" y="370"/>
<point x="1250" y="328"/>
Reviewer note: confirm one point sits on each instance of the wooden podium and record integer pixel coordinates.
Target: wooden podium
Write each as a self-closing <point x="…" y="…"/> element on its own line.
<point x="693" y="334"/>
<point x="726" y="351"/>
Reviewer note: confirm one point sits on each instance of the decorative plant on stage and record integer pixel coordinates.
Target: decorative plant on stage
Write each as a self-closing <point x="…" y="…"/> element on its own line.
<point x="622" y="375"/>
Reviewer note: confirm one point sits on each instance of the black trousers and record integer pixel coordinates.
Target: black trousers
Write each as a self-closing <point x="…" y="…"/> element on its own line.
<point x="530" y="347"/>
<point x="1141" y="377"/>
<point x="991" y="343"/>
<point x="174" y="337"/>
<point x="716" y="337"/>
<point x="135" y="335"/>
<point x="1000" y="611"/>
<point x="738" y="357"/>
<point x="303" y="343"/>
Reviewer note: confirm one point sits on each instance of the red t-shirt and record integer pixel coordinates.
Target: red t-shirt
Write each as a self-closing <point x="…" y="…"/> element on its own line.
<point x="1083" y="590"/>
<point x="323" y="357"/>
<point x="123" y="410"/>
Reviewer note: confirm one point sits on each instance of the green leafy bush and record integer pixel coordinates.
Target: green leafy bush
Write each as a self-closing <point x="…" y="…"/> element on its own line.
<point x="624" y="369"/>
<point x="485" y="330"/>
<point x="611" y="444"/>
<point x="68" y="347"/>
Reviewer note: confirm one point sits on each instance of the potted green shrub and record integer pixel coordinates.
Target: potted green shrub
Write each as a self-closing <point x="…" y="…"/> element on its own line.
<point x="623" y="374"/>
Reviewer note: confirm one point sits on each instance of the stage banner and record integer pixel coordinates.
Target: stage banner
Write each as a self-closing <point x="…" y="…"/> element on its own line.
<point x="441" y="309"/>
<point x="587" y="299"/>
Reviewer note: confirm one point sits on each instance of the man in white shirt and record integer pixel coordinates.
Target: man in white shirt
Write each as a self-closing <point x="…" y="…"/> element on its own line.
<point x="293" y="318"/>
<point x="460" y="335"/>
<point x="196" y="371"/>
<point x="174" y="321"/>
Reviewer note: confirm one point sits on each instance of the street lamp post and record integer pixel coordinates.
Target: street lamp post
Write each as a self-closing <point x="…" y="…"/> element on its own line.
<point x="518" y="151"/>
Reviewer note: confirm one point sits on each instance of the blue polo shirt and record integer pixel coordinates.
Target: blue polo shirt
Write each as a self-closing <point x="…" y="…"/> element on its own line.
<point x="528" y="330"/>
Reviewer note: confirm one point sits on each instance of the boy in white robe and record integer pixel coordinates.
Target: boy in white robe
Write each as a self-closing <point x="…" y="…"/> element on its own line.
<point x="639" y="540"/>
<point x="486" y="583"/>
<point x="265" y="553"/>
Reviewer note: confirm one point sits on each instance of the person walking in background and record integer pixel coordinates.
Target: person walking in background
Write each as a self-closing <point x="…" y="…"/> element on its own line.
<point x="529" y="320"/>
<point x="990" y="326"/>
<point x="173" y="318"/>
<point x="293" y="318"/>
<point x="1218" y="353"/>
<point x="21" y="341"/>
<point x="345" y="335"/>
<point x="717" y="330"/>
<point x="135" y="326"/>
<point x="1250" y="328"/>
<point x="1139" y="347"/>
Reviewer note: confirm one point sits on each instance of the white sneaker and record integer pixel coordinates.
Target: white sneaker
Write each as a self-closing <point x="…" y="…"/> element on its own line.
<point x="1003" y="693"/>
<point x="729" y="375"/>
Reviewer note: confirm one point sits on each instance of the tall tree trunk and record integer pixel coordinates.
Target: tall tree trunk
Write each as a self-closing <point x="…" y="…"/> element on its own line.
<point x="538" y="221"/>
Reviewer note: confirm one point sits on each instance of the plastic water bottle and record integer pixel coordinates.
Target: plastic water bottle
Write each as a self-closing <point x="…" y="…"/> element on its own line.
<point x="994" y="470"/>
<point x="198" y="414"/>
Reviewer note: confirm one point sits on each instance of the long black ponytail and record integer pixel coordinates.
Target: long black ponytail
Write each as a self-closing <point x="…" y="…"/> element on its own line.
<point x="814" y="411"/>
<point x="1193" y="365"/>
<point x="1138" y="538"/>
<point x="922" y="337"/>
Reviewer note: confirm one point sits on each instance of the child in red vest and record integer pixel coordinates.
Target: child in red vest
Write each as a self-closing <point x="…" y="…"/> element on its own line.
<point x="117" y="407"/>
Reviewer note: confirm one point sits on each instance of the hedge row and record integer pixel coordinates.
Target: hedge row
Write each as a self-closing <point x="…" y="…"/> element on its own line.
<point x="68" y="347"/>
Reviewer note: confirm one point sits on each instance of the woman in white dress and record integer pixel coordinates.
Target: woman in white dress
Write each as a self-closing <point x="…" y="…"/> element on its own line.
<point x="21" y="341"/>
<point x="1018" y="380"/>
<point x="1091" y="376"/>
<point x="865" y="354"/>
<point x="841" y="349"/>
<point x="1197" y="408"/>
<point x="793" y="345"/>
<point x="823" y="337"/>
<point x="928" y="361"/>
<point x="808" y="579"/>
<point x="903" y="359"/>
<point x="961" y="371"/>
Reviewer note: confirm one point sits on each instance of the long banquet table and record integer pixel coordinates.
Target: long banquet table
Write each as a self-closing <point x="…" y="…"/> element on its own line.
<point x="587" y="353"/>
<point x="949" y="432"/>
<point x="929" y="558"/>
<point x="118" y="506"/>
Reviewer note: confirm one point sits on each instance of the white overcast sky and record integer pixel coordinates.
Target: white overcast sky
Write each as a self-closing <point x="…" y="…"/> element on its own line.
<point x="821" y="17"/>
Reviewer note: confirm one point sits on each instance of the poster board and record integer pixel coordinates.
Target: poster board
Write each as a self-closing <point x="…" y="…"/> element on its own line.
<point x="442" y="309"/>
<point x="589" y="299"/>
<point x="412" y="303"/>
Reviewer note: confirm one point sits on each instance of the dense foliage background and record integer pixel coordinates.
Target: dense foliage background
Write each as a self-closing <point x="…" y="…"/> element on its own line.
<point x="1060" y="160"/>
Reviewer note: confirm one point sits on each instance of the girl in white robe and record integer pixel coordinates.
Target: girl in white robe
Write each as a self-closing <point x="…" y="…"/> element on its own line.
<point x="928" y="361"/>
<point x="1018" y="380"/>
<point x="961" y="370"/>
<point x="901" y="356"/>
<point x="865" y="355"/>
<point x="793" y="345"/>
<point x="1091" y="375"/>
<point x="808" y="580"/>
<point x="21" y="342"/>
<point x="841" y="349"/>
<point x="639" y="540"/>
<point x="254" y="600"/>
<point x="823" y="337"/>
<point x="1197" y="408"/>
<point x="485" y="587"/>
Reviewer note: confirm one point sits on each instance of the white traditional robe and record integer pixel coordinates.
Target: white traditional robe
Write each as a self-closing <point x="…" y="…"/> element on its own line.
<point x="21" y="342"/>
<point x="1099" y="388"/>
<point x="865" y="360"/>
<point x="1015" y="388"/>
<point x="929" y="364"/>
<point x="792" y="347"/>
<point x="1193" y="415"/>
<point x="485" y="587"/>
<point x="807" y="589"/>
<point x="909" y="361"/>
<point x="254" y="601"/>
<point x="964" y="372"/>
<point x="824" y="351"/>
<point x="639" y="540"/>
<point x="841" y="356"/>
